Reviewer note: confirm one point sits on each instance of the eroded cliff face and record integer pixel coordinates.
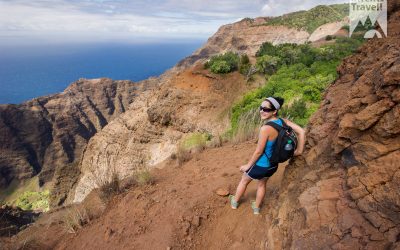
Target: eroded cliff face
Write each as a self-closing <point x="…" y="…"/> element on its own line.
<point x="344" y="192"/>
<point x="47" y="135"/>
<point x="247" y="35"/>
<point x="149" y="132"/>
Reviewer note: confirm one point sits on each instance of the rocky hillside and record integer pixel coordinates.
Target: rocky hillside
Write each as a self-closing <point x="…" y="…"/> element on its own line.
<point x="149" y="132"/>
<point x="344" y="192"/>
<point x="247" y="35"/>
<point x="48" y="135"/>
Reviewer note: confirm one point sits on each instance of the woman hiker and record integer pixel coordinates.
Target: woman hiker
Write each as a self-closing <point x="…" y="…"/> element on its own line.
<point x="258" y="167"/>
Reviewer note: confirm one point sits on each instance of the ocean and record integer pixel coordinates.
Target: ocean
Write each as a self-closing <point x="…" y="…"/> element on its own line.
<point x="33" y="71"/>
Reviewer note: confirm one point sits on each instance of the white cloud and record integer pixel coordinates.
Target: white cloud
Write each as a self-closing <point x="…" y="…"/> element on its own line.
<point x="62" y="20"/>
<point x="277" y="8"/>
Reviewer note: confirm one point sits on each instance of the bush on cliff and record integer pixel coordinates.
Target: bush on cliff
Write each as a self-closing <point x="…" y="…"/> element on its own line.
<point x="225" y="63"/>
<point x="244" y="64"/>
<point x="229" y="62"/>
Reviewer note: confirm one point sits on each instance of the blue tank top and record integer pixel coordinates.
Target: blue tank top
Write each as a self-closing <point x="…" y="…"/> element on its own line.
<point x="263" y="161"/>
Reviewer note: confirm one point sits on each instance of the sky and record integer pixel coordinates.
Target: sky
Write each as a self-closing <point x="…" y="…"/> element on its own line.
<point x="54" y="21"/>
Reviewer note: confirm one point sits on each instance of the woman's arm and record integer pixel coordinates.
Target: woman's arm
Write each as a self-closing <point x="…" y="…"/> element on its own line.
<point x="262" y="140"/>
<point x="300" y="134"/>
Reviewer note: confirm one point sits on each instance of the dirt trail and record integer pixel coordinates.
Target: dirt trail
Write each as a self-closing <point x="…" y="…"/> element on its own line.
<point x="182" y="211"/>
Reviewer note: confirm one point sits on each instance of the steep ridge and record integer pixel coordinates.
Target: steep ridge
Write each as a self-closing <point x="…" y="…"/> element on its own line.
<point x="188" y="102"/>
<point x="246" y="36"/>
<point x="47" y="135"/>
<point x="343" y="193"/>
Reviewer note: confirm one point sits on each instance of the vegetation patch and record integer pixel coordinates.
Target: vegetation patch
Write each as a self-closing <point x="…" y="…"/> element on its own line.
<point x="228" y="62"/>
<point x="143" y="177"/>
<point x="75" y="218"/>
<point x="310" y="20"/>
<point x="195" y="140"/>
<point x="26" y="195"/>
<point x="34" y="201"/>
<point x="298" y="73"/>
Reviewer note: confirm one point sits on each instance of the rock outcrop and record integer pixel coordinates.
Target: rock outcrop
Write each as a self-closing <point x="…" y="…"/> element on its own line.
<point x="47" y="136"/>
<point x="148" y="133"/>
<point x="344" y="192"/>
<point x="247" y="35"/>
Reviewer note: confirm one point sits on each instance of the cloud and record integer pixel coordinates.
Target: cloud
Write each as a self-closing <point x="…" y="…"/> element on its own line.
<point x="277" y="8"/>
<point x="128" y="20"/>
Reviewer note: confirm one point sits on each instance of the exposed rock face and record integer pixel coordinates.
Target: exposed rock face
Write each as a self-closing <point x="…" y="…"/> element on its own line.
<point x="48" y="135"/>
<point x="149" y="131"/>
<point x="326" y="29"/>
<point x="247" y="35"/>
<point x="344" y="192"/>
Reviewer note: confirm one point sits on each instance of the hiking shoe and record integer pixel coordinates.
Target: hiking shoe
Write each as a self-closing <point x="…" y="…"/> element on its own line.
<point x="256" y="210"/>
<point x="234" y="204"/>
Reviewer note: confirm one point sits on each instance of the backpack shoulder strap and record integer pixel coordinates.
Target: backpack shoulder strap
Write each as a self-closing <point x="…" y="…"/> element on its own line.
<point x="276" y="126"/>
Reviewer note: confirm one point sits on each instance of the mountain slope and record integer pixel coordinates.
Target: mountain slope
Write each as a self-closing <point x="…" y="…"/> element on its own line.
<point x="51" y="136"/>
<point x="342" y="193"/>
<point x="53" y="131"/>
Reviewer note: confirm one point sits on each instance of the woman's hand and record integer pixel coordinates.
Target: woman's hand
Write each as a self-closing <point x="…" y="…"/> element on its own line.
<point x="244" y="168"/>
<point x="297" y="153"/>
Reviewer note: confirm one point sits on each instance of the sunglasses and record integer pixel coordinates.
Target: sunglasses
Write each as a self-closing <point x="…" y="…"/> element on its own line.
<point x="264" y="109"/>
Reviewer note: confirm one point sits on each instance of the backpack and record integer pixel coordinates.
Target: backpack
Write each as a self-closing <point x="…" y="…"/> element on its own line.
<point x="285" y="143"/>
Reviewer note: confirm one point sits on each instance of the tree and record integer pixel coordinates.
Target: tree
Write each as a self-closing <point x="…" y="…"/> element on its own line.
<point x="268" y="64"/>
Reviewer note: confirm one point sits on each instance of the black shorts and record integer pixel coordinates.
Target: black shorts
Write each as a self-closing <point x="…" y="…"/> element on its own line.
<point x="258" y="173"/>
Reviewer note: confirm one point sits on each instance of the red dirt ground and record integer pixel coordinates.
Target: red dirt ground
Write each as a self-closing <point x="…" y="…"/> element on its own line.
<point x="182" y="211"/>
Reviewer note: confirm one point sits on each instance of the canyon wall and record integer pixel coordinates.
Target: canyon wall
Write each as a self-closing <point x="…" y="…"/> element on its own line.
<point x="46" y="136"/>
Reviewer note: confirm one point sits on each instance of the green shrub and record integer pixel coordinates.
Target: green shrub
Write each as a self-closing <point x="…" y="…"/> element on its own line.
<point x="298" y="109"/>
<point x="268" y="64"/>
<point x="266" y="49"/>
<point x="244" y="65"/>
<point x="225" y="63"/>
<point x="220" y="67"/>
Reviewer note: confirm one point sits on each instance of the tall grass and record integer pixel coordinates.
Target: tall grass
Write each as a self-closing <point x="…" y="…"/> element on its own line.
<point x="248" y="126"/>
<point x="75" y="218"/>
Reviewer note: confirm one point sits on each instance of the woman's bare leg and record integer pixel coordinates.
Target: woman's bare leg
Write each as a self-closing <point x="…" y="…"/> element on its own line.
<point x="261" y="191"/>
<point x="242" y="187"/>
